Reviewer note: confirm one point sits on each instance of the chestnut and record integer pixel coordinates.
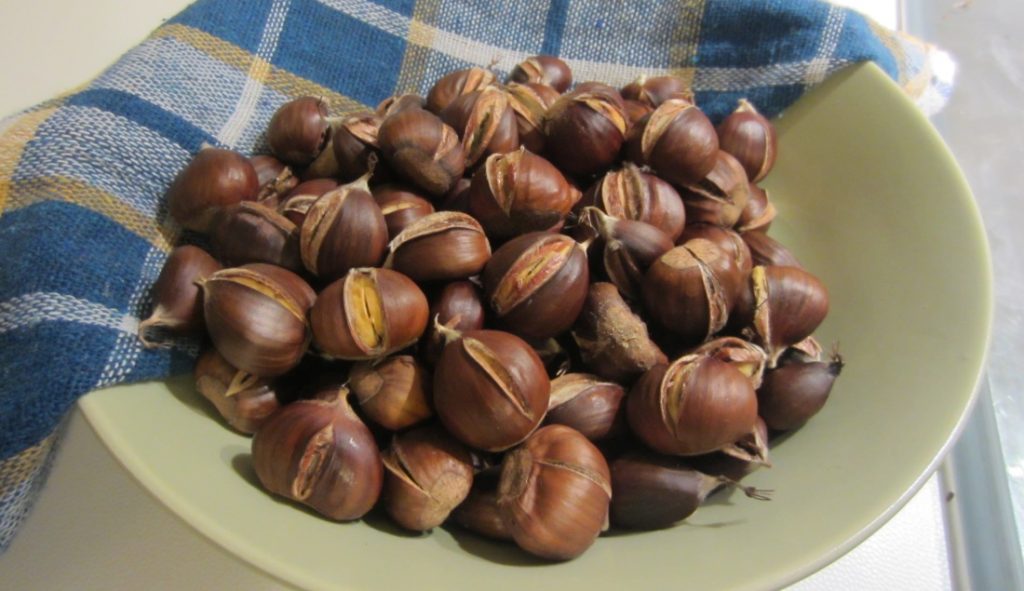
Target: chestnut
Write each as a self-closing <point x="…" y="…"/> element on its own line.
<point x="529" y="102"/>
<point x="426" y="475"/>
<point x="343" y="229"/>
<point x="213" y="180"/>
<point x="354" y="143"/>
<point x="457" y="306"/>
<point x="794" y="391"/>
<point x="393" y="392"/>
<point x="554" y="493"/>
<point x="631" y="194"/>
<point x="485" y="122"/>
<point x="789" y="304"/>
<point x="401" y="206"/>
<point x="256" y="317"/>
<point x="735" y="462"/>
<point x="399" y="102"/>
<point x="536" y="284"/>
<point x="627" y="248"/>
<point x="588" y="404"/>
<point x="585" y="129"/>
<point x="317" y="452"/>
<point x="635" y="111"/>
<point x="177" y="299"/>
<point x="441" y="246"/>
<point x="299" y="130"/>
<point x="490" y="388"/>
<point x="519" y="192"/>
<point x="655" y="90"/>
<point x="457" y="198"/>
<point x="267" y="168"/>
<point x="451" y="86"/>
<point x="765" y="250"/>
<point x="368" y="313"/>
<point x="479" y="514"/>
<point x="750" y="137"/>
<point x="253" y="233"/>
<point x="695" y="405"/>
<point x="757" y="216"/>
<point x="296" y="203"/>
<point x="725" y="238"/>
<point x="245" y="401"/>
<point x="543" y="69"/>
<point x="419" y="146"/>
<point x="677" y="140"/>
<point x="613" y="341"/>
<point x="654" y="492"/>
<point x="745" y="356"/>
<point x="721" y="196"/>
<point x="275" y="180"/>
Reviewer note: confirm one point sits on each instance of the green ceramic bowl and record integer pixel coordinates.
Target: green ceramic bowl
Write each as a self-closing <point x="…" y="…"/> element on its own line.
<point x="869" y="199"/>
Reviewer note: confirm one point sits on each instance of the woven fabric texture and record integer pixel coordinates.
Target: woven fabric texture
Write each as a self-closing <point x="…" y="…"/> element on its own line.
<point x="83" y="225"/>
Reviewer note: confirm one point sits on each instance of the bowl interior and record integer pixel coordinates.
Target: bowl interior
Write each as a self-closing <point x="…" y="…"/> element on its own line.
<point x="870" y="200"/>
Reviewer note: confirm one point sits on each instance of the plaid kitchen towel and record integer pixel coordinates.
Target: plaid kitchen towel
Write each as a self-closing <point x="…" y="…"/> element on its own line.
<point x="83" y="226"/>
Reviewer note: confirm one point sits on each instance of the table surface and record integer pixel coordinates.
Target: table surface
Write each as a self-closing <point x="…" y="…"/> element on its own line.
<point x="111" y="534"/>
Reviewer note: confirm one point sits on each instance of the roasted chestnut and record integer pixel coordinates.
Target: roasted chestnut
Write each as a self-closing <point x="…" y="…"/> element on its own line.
<point x="789" y="304"/>
<point x="275" y="179"/>
<point x="585" y="129"/>
<point x="401" y="206"/>
<point x="453" y="85"/>
<point x="419" y="146"/>
<point x="245" y="401"/>
<point x="654" y="90"/>
<point x="485" y="122"/>
<point x="530" y="102"/>
<point x="213" y="180"/>
<point x="588" y="404"/>
<point x="543" y="69"/>
<point x="750" y="137"/>
<point x="725" y="238"/>
<point x="757" y="216"/>
<point x="297" y="202"/>
<point x="765" y="250"/>
<point x="393" y="392"/>
<point x="613" y="341"/>
<point x="355" y="143"/>
<point x="677" y="140"/>
<point x="743" y="355"/>
<point x="441" y="246"/>
<point x="459" y="307"/>
<point x="720" y="197"/>
<point x="177" y="299"/>
<point x="627" y="248"/>
<point x="796" y="390"/>
<point x="253" y="233"/>
<point x="479" y="511"/>
<point x="343" y="229"/>
<point x="631" y="194"/>
<point x="299" y="130"/>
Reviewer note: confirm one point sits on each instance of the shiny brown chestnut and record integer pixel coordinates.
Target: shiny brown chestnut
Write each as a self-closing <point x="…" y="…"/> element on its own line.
<point x="275" y="179"/>
<point x="393" y="392"/>
<point x="354" y="143"/>
<point x="759" y="213"/>
<point x="401" y="206"/>
<point x="690" y="290"/>
<point x="543" y="69"/>
<point x="584" y="130"/>
<point x="554" y="493"/>
<point x="427" y="474"/>
<point x="789" y="305"/>
<point x="458" y="306"/>
<point x="519" y="192"/>
<point x="245" y="401"/>
<point x="750" y="137"/>
<point x="368" y="313"/>
<point x="456" y="199"/>
<point x="486" y="123"/>
<point x="213" y="180"/>
<point x="677" y="140"/>
<point x="765" y="250"/>
<point x="253" y="233"/>
<point x="795" y="391"/>
<point x="453" y="85"/>
<point x="529" y="102"/>
<point x="297" y="202"/>
<point x="655" y="90"/>
<point x="399" y="102"/>
<point x="479" y="514"/>
<point x="536" y="284"/>
<point x="177" y="298"/>
<point x="635" y="111"/>
<point x="654" y="492"/>
<point x="299" y="130"/>
<point x="490" y="388"/>
<point x="441" y="246"/>
<point x="631" y="194"/>
<point x="745" y="356"/>
<point x="343" y="229"/>
<point x="695" y="405"/>
<point x="725" y="238"/>
<point x="256" y="317"/>
<point x="417" y="145"/>
<point x="317" y="452"/>
<point x="626" y="248"/>
<point x="753" y="454"/>
<point x="720" y="197"/>
<point x="588" y="404"/>
<point x="613" y="341"/>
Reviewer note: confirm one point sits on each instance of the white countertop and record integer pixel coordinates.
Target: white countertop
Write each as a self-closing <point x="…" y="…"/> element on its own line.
<point x="94" y="527"/>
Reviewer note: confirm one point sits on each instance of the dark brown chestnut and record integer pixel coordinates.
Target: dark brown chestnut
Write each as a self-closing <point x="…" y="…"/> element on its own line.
<point x="720" y="197"/>
<point x="584" y="130"/>
<point x="613" y="341"/>
<point x="441" y="246"/>
<point x="536" y="284"/>
<point x="368" y="313"/>
<point x="530" y="102"/>
<point x="655" y="90"/>
<point x="626" y="248"/>
<point x="426" y="475"/>
<point x="393" y="392"/>
<point x="554" y="493"/>
<point x="355" y="143"/>
<point x="519" y="192"/>
<point x="317" y="452"/>
<point x="636" y="111"/>
<point x="765" y="250"/>
<point x="296" y="203"/>
<point x="677" y="140"/>
<point x="399" y="102"/>
<point x="451" y="86"/>
<point x="401" y="206"/>
<point x="486" y="123"/>
<point x="490" y="388"/>
<point x="213" y="180"/>
<point x="177" y="299"/>
<point x="419" y="146"/>
<point x="253" y="233"/>
<point x="245" y="401"/>
<point x="745" y="356"/>
<point x="585" y="402"/>
<point x="275" y="178"/>
<point x="543" y="69"/>
<point x="795" y="391"/>
<point x="695" y="405"/>
<point x="457" y="199"/>
<point x="299" y="130"/>
<point x="343" y="229"/>
<point x="457" y="306"/>
<point x="479" y="512"/>
<point x="789" y="305"/>
<point x="750" y="137"/>
<point x="725" y="238"/>
<point x="759" y="213"/>
<point x="256" y="317"/>
<point x="631" y="194"/>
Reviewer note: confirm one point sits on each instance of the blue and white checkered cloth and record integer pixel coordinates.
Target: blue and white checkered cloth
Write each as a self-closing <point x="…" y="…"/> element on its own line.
<point x="84" y="229"/>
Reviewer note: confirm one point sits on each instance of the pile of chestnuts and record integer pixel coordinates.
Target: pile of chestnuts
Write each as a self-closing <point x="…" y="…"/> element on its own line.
<point x="530" y="311"/>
